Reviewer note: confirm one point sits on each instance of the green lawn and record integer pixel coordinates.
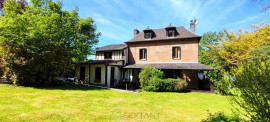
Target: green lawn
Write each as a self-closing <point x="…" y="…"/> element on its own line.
<point x="80" y="103"/>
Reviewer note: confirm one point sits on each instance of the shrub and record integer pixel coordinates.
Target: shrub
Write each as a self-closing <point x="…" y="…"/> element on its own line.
<point x="180" y="86"/>
<point x="151" y="79"/>
<point x="166" y="85"/>
<point x="221" y="117"/>
<point x="252" y="83"/>
<point x="148" y="73"/>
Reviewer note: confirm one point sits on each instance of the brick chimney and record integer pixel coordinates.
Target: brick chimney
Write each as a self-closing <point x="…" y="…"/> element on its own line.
<point x="136" y="32"/>
<point x="192" y="25"/>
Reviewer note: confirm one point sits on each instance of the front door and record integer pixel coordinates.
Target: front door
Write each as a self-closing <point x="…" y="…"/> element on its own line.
<point x="112" y="76"/>
<point x="82" y="74"/>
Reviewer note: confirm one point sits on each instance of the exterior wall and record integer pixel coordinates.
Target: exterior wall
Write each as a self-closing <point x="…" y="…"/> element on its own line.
<point x="99" y="55"/>
<point x="191" y="76"/>
<point x="92" y="73"/>
<point x="161" y="51"/>
<point x="117" y="55"/>
<point x="77" y="73"/>
<point x="126" y="56"/>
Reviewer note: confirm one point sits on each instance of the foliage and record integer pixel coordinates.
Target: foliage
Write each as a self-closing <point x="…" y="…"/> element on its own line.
<point x="208" y="55"/>
<point x="221" y="117"/>
<point x="43" y="42"/>
<point x="166" y="85"/>
<point x="151" y="79"/>
<point x="252" y="82"/>
<point x="148" y="73"/>
<point x="225" y="50"/>
<point x="261" y="53"/>
<point x="180" y="86"/>
<point x="21" y="5"/>
<point x="236" y="47"/>
<point x="264" y="5"/>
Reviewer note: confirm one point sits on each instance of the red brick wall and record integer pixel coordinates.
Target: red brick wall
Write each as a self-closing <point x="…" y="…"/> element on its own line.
<point x="161" y="51"/>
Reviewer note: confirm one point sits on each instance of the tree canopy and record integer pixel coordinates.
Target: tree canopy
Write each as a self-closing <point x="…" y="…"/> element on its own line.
<point x="43" y="41"/>
<point x="235" y="47"/>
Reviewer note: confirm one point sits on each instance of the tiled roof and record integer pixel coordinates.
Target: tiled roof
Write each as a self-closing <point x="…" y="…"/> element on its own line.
<point x="160" y="34"/>
<point x="170" y="26"/>
<point x="146" y="29"/>
<point x="190" y="66"/>
<point x="112" y="47"/>
<point x="98" y="61"/>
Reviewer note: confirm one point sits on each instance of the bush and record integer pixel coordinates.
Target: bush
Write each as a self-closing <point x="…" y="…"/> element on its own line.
<point x="151" y="79"/>
<point x="252" y="83"/>
<point x="148" y="73"/>
<point x="166" y="85"/>
<point x="180" y="86"/>
<point x="221" y="117"/>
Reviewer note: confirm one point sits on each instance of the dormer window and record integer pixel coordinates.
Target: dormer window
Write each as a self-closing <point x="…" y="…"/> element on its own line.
<point x="170" y="31"/>
<point x="147" y="35"/>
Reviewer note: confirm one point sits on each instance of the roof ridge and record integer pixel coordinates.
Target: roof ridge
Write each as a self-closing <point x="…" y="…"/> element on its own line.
<point x="164" y="28"/>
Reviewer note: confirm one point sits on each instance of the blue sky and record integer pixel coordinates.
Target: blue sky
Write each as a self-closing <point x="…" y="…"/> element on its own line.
<point x="116" y="19"/>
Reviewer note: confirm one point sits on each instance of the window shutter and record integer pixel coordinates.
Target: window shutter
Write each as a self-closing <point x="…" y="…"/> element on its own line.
<point x="179" y="52"/>
<point x="140" y="53"/>
<point x="145" y="54"/>
<point x="173" y="55"/>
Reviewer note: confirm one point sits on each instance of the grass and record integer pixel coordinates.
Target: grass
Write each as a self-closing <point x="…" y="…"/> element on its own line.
<point x="81" y="103"/>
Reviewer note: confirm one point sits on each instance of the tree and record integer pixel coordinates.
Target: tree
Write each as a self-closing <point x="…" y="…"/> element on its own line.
<point x="208" y="55"/>
<point x="43" y="42"/>
<point x="235" y="47"/>
<point x="264" y="5"/>
<point x="261" y="53"/>
<point x="21" y="5"/>
<point x="252" y="84"/>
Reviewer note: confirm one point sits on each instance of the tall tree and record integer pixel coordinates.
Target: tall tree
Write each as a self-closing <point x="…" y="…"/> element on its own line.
<point x="208" y="55"/>
<point x="44" y="41"/>
<point x="235" y="47"/>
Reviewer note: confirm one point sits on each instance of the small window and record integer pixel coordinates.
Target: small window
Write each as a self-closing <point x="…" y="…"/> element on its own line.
<point x="147" y="35"/>
<point x="143" y="54"/>
<point x="170" y="33"/>
<point x="108" y="55"/>
<point x="176" y="52"/>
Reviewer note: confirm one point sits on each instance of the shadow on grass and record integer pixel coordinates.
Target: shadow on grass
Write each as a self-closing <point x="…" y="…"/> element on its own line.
<point x="70" y="87"/>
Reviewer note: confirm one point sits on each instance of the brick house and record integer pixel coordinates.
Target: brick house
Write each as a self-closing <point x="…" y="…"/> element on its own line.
<point x="172" y="49"/>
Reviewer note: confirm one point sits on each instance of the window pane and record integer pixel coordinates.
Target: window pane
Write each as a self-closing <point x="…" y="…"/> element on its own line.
<point x="108" y="55"/>
<point x="176" y="52"/>
<point x="170" y="33"/>
<point x="143" y="54"/>
<point x="147" y="35"/>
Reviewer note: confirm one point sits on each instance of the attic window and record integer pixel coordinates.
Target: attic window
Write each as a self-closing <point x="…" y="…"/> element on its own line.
<point x="170" y="33"/>
<point x="147" y="35"/>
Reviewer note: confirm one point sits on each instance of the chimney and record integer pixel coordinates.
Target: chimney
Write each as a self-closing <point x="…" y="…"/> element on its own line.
<point x="136" y="32"/>
<point x="192" y="25"/>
